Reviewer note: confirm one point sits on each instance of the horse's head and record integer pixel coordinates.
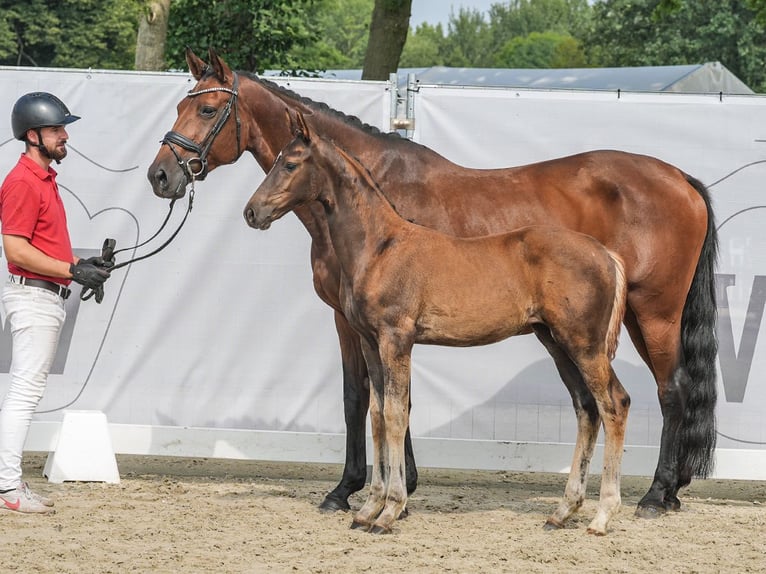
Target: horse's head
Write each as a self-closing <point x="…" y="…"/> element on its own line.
<point x="206" y="133"/>
<point x="291" y="181"/>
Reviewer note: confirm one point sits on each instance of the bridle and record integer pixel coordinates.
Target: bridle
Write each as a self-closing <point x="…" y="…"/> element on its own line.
<point x="203" y="149"/>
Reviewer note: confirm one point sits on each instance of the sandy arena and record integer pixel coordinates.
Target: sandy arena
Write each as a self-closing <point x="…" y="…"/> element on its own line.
<point x="173" y="515"/>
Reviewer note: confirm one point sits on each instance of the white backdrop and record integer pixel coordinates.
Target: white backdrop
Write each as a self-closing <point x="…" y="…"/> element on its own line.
<point x="218" y="345"/>
<point x="719" y="140"/>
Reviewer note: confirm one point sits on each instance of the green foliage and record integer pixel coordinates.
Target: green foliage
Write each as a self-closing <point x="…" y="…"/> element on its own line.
<point x="467" y="40"/>
<point x="541" y="50"/>
<point x="635" y="33"/>
<point x="343" y="28"/>
<point x="759" y="8"/>
<point x="69" y="33"/>
<point x="424" y="47"/>
<point x="300" y="35"/>
<point x="252" y="34"/>
<point x="538" y="33"/>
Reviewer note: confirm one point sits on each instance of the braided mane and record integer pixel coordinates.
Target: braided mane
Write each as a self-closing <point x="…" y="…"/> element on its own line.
<point x="319" y="107"/>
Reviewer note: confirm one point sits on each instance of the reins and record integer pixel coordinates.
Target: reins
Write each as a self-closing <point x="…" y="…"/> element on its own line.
<point x="167" y="241"/>
<point x="202" y="150"/>
<point x="108" y="252"/>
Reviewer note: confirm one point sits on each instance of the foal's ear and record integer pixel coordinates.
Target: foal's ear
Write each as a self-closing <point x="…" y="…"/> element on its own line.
<point x="196" y="65"/>
<point x="303" y="128"/>
<point x="220" y="68"/>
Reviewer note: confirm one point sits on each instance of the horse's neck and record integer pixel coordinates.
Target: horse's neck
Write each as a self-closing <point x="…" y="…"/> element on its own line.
<point x="266" y="108"/>
<point x="361" y="218"/>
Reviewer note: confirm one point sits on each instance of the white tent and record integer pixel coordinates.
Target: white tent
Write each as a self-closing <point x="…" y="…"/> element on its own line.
<point x="711" y="77"/>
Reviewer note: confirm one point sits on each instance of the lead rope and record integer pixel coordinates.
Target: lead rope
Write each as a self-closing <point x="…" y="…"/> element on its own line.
<point x="167" y="241"/>
<point x="108" y="252"/>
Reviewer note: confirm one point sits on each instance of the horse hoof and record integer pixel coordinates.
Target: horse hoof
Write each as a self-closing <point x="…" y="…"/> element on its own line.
<point x="672" y="503"/>
<point x="596" y="532"/>
<point x="359" y="526"/>
<point x="404" y="513"/>
<point x="330" y="505"/>
<point x="376" y="529"/>
<point x="550" y="525"/>
<point x="650" y="511"/>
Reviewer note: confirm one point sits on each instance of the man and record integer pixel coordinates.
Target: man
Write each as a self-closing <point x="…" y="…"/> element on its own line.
<point x="41" y="264"/>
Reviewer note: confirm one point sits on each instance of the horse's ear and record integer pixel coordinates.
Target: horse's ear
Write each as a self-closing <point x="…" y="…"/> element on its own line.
<point x="303" y="128"/>
<point x="196" y="65"/>
<point x="220" y="68"/>
<point x="291" y="122"/>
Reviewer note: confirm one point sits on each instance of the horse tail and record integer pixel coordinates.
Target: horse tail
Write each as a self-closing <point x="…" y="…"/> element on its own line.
<point x="699" y="345"/>
<point x="618" y="307"/>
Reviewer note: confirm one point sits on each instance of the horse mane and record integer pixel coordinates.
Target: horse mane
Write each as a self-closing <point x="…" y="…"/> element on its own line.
<point x="322" y="108"/>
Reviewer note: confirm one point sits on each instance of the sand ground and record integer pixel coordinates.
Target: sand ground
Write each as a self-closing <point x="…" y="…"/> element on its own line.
<point x="181" y="515"/>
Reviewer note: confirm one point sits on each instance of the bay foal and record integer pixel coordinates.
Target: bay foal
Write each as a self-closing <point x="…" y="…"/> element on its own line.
<point x="403" y="284"/>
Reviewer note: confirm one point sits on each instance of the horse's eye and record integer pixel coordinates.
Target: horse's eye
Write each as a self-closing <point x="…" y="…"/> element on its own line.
<point x="290" y="166"/>
<point x="207" y="111"/>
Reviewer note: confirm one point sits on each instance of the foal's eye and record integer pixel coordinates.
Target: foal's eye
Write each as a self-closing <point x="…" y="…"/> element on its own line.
<point x="207" y="111"/>
<point x="290" y="166"/>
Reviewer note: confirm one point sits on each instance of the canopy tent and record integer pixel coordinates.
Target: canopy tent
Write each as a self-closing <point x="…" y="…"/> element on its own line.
<point x="711" y="77"/>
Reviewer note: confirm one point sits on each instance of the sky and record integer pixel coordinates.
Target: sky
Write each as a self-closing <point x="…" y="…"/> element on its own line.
<point x="438" y="11"/>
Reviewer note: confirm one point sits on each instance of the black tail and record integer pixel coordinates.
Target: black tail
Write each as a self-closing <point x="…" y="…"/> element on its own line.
<point x="700" y="348"/>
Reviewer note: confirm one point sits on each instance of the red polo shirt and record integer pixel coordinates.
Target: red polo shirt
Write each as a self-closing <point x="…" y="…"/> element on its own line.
<point x="31" y="207"/>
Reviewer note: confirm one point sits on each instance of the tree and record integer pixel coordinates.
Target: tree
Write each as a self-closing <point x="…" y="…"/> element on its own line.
<point x="424" y="47"/>
<point x="388" y="33"/>
<point x="68" y="34"/>
<point x="518" y="19"/>
<point x="517" y="33"/>
<point x="541" y="50"/>
<point x="468" y="40"/>
<point x="342" y="31"/>
<point x="152" y="33"/>
<point x="642" y="33"/>
<point x="759" y="7"/>
<point x="253" y="35"/>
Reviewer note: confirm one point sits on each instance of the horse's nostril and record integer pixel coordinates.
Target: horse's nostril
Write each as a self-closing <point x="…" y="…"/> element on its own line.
<point x="161" y="178"/>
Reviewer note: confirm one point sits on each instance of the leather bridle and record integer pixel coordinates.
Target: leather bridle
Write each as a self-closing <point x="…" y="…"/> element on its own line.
<point x="203" y="149"/>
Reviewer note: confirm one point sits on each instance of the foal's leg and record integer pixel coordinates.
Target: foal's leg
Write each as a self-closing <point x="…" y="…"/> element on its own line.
<point x="356" y="402"/>
<point x="376" y="499"/>
<point x="588" y="422"/>
<point x="395" y="357"/>
<point x="613" y="404"/>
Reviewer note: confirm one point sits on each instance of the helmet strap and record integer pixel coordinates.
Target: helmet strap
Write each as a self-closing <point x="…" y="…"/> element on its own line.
<point x="41" y="146"/>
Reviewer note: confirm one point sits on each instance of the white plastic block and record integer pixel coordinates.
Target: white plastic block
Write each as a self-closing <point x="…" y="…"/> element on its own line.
<point x="84" y="450"/>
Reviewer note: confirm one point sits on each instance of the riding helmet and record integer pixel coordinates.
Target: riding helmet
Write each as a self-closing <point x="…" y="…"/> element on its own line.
<point x="38" y="110"/>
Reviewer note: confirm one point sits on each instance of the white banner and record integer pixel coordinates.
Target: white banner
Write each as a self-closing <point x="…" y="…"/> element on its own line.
<point x="222" y="330"/>
<point x="719" y="140"/>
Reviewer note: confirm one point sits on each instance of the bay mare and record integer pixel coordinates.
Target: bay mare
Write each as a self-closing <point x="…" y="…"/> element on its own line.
<point x="403" y="284"/>
<point x="656" y="217"/>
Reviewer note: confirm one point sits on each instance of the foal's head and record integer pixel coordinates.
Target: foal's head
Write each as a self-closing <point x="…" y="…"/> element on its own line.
<point x="293" y="180"/>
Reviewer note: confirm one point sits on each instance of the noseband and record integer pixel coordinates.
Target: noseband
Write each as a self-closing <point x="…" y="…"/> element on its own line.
<point x="203" y="148"/>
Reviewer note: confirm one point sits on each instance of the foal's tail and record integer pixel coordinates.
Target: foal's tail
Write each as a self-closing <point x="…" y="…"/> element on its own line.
<point x="699" y="345"/>
<point x="618" y="308"/>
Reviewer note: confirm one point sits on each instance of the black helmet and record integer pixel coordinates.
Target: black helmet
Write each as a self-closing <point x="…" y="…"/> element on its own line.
<point x="38" y="110"/>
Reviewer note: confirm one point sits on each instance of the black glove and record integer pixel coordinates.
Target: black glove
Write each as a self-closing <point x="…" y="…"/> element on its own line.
<point x="104" y="261"/>
<point x="99" y="261"/>
<point x="88" y="275"/>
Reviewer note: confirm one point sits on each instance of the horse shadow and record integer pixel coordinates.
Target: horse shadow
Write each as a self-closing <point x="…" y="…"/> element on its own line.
<point x="534" y="406"/>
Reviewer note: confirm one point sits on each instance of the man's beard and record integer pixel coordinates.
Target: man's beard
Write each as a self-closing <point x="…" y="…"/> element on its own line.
<point x="56" y="153"/>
